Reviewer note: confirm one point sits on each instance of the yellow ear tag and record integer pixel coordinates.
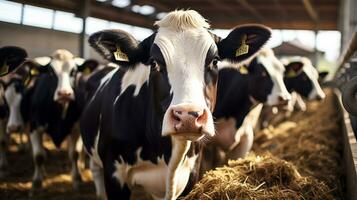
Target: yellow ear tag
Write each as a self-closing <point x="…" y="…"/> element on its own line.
<point x="243" y="69"/>
<point x="291" y="74"/>
<point x="86" y="71"/>
<point x="120" y="56"/>
<point x="34" y="72"/>
<point x="244" y="48"/>
<point x="4" y="69"/>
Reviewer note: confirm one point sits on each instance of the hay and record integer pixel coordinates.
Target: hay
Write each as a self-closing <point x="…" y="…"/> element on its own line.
<point x="298" y="159"/>
<point x="258" y="178"/>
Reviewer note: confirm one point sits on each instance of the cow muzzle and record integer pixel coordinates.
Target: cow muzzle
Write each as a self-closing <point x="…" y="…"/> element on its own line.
<point x="64" y="96"/>
<point x="188" y="121"/>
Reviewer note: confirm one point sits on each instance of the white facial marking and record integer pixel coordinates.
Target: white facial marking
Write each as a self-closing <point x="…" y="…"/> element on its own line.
<point x="185" y="52"/>
<point x="14" y="101"/>
<point x="62" y="70"/>
<point x="276" y="71"/>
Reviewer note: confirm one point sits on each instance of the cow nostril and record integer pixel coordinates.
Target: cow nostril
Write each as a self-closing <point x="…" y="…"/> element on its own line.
<point x="176" y="114"/>
<point x="193" y="113"/>
<point x="203" y="117"/>
<point x="64" y="93"/>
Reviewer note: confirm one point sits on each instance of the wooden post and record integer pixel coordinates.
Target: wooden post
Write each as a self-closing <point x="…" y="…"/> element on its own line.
<point x="83" y="46"/>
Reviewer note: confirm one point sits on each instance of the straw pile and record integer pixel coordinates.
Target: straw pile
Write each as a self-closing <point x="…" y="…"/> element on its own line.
<point x="298" y="159"/>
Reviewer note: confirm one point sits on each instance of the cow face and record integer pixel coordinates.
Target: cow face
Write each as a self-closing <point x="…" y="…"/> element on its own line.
<point x="64" y="66"/>
<point x="15" y="85"/>
<point x="13" y="95"/>
<point x="266" y="79"/>
<point x="182" y="57"/>
<point x="302" y="77"/>
<point x="10" y="59"/>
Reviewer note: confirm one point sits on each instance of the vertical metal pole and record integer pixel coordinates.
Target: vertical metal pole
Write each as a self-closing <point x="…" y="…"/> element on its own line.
<point x="316" y="52"/>
<point x="22" y="13"/>
<point x="83" y="46"/>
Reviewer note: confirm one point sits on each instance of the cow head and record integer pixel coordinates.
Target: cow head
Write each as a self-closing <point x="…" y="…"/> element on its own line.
<point x="302" y="77"/>
<point x="64" y="66"/>
<point x="266" y="79"/>
<point x="182" y="57"/>
<point x="11" y="58"/>
<point x="15" y="86"/>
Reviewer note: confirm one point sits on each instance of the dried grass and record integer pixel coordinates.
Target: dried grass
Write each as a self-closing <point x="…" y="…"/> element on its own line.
<point x="298" y="159"/>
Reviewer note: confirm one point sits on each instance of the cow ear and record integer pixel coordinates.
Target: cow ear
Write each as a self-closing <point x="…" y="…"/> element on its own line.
<point x="79" y="61"/>
<point x="323" y="75"/>
<point x="38" y="65"/>
<point x="88" y="66"/>
<point x="119" y="47"/>
<point x="243" y="42"/>
<point x="293" y="69"/>
<point x="11" y="58"/>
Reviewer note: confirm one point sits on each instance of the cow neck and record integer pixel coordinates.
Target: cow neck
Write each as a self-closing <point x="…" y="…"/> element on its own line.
<point x="233" y="94"/>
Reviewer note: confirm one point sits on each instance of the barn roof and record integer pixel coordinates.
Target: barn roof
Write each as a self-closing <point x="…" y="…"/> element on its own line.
<point x="278" y="14"/>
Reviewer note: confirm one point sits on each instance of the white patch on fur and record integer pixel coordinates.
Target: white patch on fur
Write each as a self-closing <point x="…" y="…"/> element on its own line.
<point x="276" y="71"/>
<point x="94" y="150"/>
<point x="13" y="100"/>
<point x="104" y="81"/>
<point x="136" y="77"/>
<point x="149" y="176"/>
<point x="313" y="75"/>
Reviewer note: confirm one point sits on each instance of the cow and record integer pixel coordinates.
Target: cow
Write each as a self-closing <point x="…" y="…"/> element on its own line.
<point x="302" y="81"/>
<point x="240" y="95"/>
<point x="11" y="58"/>
<point x="143" y="125"/>
<point x="55" y="105"/>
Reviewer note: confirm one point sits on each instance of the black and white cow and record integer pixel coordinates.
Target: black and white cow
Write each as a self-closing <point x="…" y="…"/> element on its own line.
<point x="302" y="81"/>
<point x="11" y="58"/>
<point x="55" y="105"/>
<point x="143" y="124"/>
<point x="241" y="92"/>
<point x="303" y="78"/>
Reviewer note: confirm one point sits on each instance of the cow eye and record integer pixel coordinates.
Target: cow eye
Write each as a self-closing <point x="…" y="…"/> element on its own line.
<point x="215" y="60"/>
<point x="264" y="74"/>
<point x="214" y="63"/>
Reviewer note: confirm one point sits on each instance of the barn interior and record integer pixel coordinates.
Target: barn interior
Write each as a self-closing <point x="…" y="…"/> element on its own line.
<point x="325" y="31"/>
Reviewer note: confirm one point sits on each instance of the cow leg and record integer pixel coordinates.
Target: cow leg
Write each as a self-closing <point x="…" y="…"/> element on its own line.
<point x="73" y="153"/>
<point x="39" y="155"/>
<point x="98" y="178"/>
<point x="300" y="104"/>
<point x="3" y="149"/>
<point x="82" y="154"/>
<point x="23" y="145"/>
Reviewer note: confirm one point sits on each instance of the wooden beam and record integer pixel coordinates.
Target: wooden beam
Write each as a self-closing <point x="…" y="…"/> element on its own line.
<point x="224" y="6"/>
<point x="251" y="9"/>
<point x="311" y="10"/>
<point x="277" y="24"/>
<point x="97" y="9"/>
